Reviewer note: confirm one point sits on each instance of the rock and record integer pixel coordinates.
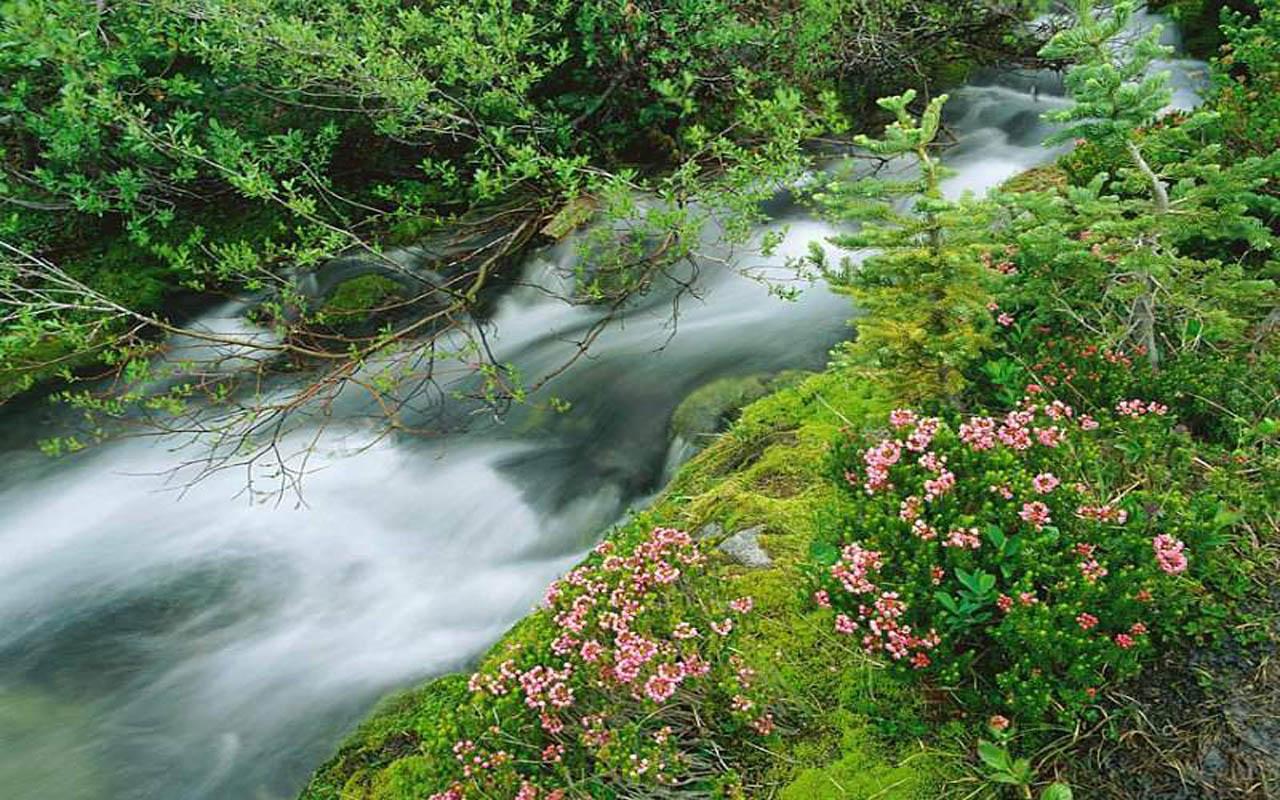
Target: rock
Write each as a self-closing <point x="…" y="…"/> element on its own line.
<point x="744" y="547"/>
<point x="711" y="408"/>
<point x="712" y="530"/>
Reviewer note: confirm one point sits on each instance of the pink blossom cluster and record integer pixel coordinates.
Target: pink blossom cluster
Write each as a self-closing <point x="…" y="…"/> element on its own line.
<point x="1169" y="554"/>
<point x="878" y="460"/>
<point x="1045" y="482"/>
<point x="884" y="632"/>
<point x="607" y="642"/>
<point x="878" y="599"/>
<point x="1138" y="408"/>
<point x="1036" y="513"/>
<point x="965" y="539"/>
<point x="1103" y="513"/>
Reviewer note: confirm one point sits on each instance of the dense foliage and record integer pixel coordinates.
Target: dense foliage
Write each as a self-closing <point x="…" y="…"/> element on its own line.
<point x="148" y="148"/>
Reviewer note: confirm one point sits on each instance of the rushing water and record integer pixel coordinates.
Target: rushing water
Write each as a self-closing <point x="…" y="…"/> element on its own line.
<point x="204" y="646"/>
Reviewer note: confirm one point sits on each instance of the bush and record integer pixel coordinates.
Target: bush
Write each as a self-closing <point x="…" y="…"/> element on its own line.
<point x="622" y="681"/>
<point x="1022" y="562"/>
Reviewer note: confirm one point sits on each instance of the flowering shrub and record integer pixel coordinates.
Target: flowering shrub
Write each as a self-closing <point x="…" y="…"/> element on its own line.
<point x="627" y="676"/>
<point x="1025" y="560"/>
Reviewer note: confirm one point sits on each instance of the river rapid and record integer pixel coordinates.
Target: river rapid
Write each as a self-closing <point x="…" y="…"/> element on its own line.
<point x="203" y="646"/>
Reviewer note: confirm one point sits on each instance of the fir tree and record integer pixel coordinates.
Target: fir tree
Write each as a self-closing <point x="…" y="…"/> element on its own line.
<point x="923" y="286"/>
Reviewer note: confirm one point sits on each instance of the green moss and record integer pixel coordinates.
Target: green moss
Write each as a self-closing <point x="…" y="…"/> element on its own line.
<point x="359" y="296"/>
<point x="711" y="408"/>
<point x="861" y="773"/>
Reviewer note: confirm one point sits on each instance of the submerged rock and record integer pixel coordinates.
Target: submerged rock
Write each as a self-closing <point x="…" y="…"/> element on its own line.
<point x="744" y="547"/>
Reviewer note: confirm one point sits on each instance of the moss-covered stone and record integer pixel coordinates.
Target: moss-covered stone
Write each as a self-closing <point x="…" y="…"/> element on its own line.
<point x="711" y="408"/>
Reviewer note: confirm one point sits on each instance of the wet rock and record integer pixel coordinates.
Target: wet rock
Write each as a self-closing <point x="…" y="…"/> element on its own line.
<point x="744" y="547"/>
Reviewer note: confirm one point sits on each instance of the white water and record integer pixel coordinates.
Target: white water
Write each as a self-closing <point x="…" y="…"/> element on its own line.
<point x="203" y="646"/>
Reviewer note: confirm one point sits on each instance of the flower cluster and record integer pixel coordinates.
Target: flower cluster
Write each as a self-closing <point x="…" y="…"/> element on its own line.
<point x="625" y="660"/>
<point x="1011" y="536"/>
<point x="879" y="612"/>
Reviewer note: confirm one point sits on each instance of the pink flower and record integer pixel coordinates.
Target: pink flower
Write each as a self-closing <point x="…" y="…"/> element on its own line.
<point x="1086" y="621"/>
<point x="998" y="724"/>
<point x="910" y="508"/>
<point x="591" y="650"/>
<point x="822" y="598"/>
<point x="920" y="660"/>
<point x="553" y="753"/>
<point x="1124" y="641"/>
<point x="1036" y="513"/>
<point x="742" y="704"/>
<point x="1169" y="554"/>
<point x="902" y="417"/>
<point x="1005" y="319"/>
<point x="1028" y="598"/>
<point x="723" y="627"/>
<point x="979" y="433"/>
<point x="1088" y="423"/>
<point x="1045" y="482"/>
<point x="936" y="574"/>
<point x="527" y="791"/>
<point x="742" y="605"/>
<point x="1138" y="408"/>
<point x="1059" y="410"/>
<point x="923" y="530"/>
<point x="684" y="631"/>
<point x="1051" y="436"/>
<point x="963" y="539"/>
<point x="1103" y="513"/>
<point x="1093" y="570"/>
<point x="936" y="487"/>
<point x="659" y="689"/>
<point x="1005" y="603"/>
<point x="763" y="725"/>
<point x="1137" y="629"/>
<point x="845" y="624"/>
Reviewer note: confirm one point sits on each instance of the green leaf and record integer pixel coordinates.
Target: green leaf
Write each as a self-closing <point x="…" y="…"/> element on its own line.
<point x="993" y="756"/>
<point x="1057" y="791"/>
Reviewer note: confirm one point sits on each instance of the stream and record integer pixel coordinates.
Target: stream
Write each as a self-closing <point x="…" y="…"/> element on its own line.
<point x="202" y="646"/>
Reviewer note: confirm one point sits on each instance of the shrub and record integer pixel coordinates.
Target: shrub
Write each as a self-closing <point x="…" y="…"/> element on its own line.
<point x="622" y="681"/>
<point x="1022" y="562"/>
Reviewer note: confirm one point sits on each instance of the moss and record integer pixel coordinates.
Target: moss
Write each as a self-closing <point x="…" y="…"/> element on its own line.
<point x="713" y="407"/>
<point x="359" y="296"/>
<point x="860" y="773"/>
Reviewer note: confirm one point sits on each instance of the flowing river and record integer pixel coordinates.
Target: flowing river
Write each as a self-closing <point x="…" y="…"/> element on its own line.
<point x="201" y="646"/>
